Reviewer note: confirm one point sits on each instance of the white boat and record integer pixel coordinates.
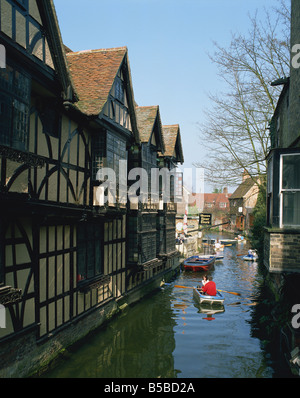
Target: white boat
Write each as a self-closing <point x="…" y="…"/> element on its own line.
<point x="251" y="256"/>
<point x="204" y="298"/>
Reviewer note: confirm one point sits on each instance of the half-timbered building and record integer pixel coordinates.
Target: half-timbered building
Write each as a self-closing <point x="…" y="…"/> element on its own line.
<point x="66" y="119"/>
<point x="170" y="159"/>
<point x="143" y="209"/>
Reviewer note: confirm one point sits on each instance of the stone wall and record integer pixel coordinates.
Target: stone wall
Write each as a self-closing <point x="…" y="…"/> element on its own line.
<point x="282" y="250"/>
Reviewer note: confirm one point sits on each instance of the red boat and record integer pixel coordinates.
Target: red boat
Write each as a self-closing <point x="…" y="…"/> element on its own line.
<point x="199" y="263"/>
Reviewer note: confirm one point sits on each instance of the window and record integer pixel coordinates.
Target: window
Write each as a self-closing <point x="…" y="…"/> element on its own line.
<point x="108" y="150"/>
<point x="89" y="252"/>
<point x="290" y="190"/>
<point x="119" y="90"/>
<point x="149" y="161"/>
<point x="14" y="108"/>
<point x="117" y="107"/>
<point x="49" y="116"/>
<point x="99" y="152"/>
<point x="132" y="239"/>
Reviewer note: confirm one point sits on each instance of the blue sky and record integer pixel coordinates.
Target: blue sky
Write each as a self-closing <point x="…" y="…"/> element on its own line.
<point x="168" y="43"/>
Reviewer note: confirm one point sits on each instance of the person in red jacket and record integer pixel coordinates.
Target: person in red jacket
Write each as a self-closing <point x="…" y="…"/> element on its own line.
<point x="210" y="288"/>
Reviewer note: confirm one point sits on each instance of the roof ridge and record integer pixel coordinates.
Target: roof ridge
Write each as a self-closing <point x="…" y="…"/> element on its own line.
<point x="147" y="106"/>
<point x="124" y="48"/>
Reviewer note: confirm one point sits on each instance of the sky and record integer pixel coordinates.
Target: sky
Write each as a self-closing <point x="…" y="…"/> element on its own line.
<point x="168" y="44"/>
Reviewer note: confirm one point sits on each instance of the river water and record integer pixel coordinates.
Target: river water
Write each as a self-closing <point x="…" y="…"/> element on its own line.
<point x="168" y="335"/>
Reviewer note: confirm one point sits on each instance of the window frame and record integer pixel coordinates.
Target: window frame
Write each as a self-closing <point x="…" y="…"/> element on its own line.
<point x="88" y="229"/>
<point x="284" y="190"/>
<point x="15" y="93"/>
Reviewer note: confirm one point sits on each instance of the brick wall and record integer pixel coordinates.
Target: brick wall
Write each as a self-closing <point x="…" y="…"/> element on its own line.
<point x="282" y="251"/>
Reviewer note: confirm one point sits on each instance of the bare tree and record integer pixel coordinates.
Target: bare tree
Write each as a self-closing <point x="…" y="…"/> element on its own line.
<point x="236" y="128"/>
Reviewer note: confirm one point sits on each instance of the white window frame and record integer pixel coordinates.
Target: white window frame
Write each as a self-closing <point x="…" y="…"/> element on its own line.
<point x="282" y="191"/>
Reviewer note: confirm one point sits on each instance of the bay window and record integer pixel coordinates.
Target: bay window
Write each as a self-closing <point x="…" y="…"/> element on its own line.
<point x="283" y="188"/>
<point x="108" y="150"/>
<point x="290" y="190"/>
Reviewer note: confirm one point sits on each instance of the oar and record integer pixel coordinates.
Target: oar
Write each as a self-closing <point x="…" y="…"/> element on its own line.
<point x="224" y="291"/>
<point x="183" y="287"/>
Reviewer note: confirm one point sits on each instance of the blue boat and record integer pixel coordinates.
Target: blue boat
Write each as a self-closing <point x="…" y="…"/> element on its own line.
<point x="204" y="298"/>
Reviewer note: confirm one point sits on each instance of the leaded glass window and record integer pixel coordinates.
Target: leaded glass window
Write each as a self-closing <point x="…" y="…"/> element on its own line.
<point x="14" y="108"/>
<point x="89" y="252"/>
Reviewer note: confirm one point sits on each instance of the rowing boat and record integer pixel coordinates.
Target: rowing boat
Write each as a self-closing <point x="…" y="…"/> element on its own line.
<point x="250" y="258"/>
<point x="204" y="298"/>
<point x="228" y="241"/>
<point x="199" y="263"/>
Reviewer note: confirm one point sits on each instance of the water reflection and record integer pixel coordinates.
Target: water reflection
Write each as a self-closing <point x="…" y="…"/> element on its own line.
<point x="137" y="344"/>
<point x="169" y="335"/>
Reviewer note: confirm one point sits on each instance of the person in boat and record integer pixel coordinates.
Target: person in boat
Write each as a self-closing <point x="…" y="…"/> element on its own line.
<point x="210" y="287"/>
<point x="218" y="245"/>
<point x="250" y="253"/>
<point x="204" y="280"/>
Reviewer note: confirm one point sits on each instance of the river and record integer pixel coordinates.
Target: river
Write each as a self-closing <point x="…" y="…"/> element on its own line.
<point x="167" y="335"/>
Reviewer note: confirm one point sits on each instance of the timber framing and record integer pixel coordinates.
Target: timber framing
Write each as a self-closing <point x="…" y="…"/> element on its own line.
<point x="68" y="257"/>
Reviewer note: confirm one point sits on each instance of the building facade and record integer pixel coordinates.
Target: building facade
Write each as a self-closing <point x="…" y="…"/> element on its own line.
<point x="242" y="203"/>
<point x="282" y="233"/>
<point x="282" y="248"/>
<point x="68" y="136"/>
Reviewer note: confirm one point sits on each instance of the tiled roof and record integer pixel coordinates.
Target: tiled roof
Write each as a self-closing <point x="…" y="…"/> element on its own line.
<point x="171" y="134"/>
<point x="146" y="116"/>
<point x="93" y="73"/>
<point x="146" y="119"/>
<point x="243" y="188"/>
<point x="217" y="198"/>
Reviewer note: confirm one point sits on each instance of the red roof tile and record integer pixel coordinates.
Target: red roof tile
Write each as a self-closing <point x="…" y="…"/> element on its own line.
<point x="93" y="73"/>
<point x="171" y="136"/>
<point x="146" y="116"/>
